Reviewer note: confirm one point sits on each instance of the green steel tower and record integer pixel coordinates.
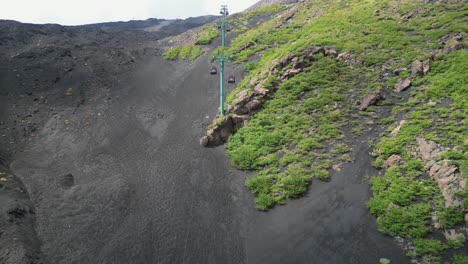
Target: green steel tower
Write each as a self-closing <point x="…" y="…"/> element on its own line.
<point x="221" y="58"/>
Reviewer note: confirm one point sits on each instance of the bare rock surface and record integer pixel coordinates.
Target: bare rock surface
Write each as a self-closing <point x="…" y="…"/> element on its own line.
<point x="421" y="67"/>
<point x="393" y="160"/>
<point x="447" y="176"/>
<point x="225" y="126"/>
<point x="372" y="98"/>
<point x="349" y="59"/>
<point x="402" y="85"/>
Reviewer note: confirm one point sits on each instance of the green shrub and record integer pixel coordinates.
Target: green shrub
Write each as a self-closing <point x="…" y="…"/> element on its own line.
<point x="259" y="184"/>
<point x="321" y="174"/>
<point x="384" y="261"/>
<point x="450" y="217"/>
<point x="458" y="242"/>
<point x="295" y="185"/>
<point x="207" y="35"/>
<point x="429" y="247"/>
<point x="250" y="66"/>
<point x="264" y="201"/>
<point x="184" y="52"/>
<point x="458" y="259"/>
<point x="410" y="221"/>
<point x="196" y="52"/>
<point x="244" y="157"/>
<point x="172" y="54"/>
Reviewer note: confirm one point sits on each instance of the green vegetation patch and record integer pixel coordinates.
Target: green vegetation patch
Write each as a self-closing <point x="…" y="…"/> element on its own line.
<point x="286" y="140"/>
<point x="183" y="53"/>
<point x="207" y="35"/>
<point x="403" y="200"/>
<point x="300" y="132"/>
<point x="264" y="10"/>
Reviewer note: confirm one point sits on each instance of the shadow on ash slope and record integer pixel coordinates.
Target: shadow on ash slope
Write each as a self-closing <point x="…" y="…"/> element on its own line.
<point x="120" y="178"/>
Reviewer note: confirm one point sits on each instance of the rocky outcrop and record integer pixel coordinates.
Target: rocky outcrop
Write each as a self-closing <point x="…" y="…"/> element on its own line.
<point x="349" y="59"/>
<point x="393" y="160"/>
<point x="250" y="101"/>
<point x="372" y="99"/>
<point x="447" y="176"/>
<point x="247" y="45"/>
<point x="451" y="42"/>
<point x="224" y="127"/>
<point x="402" y="85"/>
<point x="287" y="17"/>
<point x="421" y="67"/>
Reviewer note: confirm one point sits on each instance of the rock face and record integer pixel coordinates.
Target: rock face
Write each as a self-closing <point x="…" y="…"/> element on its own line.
<point x="402" y="85"/>
<point x="287" y="17"/>
<point x="451" y="42"/>
<point x="421" y="67"/>
<point x="226" y="126"/>
<point x="349" y="59"/>
<point x="372" y="99"/>
<point x="393" y="160"/>
<point x="448" y="178"/>
<point x="250" y="101"/>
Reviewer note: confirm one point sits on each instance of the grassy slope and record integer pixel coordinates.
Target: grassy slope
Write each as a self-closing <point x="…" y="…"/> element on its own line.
<point x="239" y="22"/>
<point x="301" y="132"/>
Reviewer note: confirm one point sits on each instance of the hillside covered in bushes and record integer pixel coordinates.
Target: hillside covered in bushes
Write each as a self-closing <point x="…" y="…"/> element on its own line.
<point x="323" y="77"/>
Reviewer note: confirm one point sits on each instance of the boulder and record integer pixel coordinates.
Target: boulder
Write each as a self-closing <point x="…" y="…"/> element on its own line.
<point x="253" y="105"/>
<point x="290" y="73"/>
<point x="449" y="180"/>
<point x="421" y="67"/>
<point x="397" y="129"/>
<point x="288" y="16"/>
<point x="248" y="101"/>
<point x="429" y="150"/>
<point x="393" y="160"/>
<point x="426" y="66"/>
<point x="297" y="63"/>
<point x="452" y="42"/>
<point x="330" y="52"/>
<point x="309" y="54"/>
<point x="416" y="67"/>
<point x="435" y="221"/>
<point x="402" y="85"/>
<point x="224" y="127"/>
<point x="372" y="99"/>
<point x="261" y="91"/>
<point x="451" y="234"/>
<point x="348" y="58"/>
<point x="399" y="70"/>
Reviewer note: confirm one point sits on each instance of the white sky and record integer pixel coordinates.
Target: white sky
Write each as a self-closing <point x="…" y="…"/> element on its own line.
<point x="78" y="12"/>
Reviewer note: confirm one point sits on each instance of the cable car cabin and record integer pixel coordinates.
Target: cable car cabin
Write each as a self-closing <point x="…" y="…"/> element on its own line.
<point x="213" y="70"/>
<point x="232" y="79"/>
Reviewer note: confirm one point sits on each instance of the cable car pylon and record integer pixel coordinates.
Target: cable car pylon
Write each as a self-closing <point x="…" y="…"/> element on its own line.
<point x="221" y="58"/>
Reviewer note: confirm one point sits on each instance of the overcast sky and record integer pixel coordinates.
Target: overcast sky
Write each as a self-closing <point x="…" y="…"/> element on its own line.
<point x="78" y="12"/>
